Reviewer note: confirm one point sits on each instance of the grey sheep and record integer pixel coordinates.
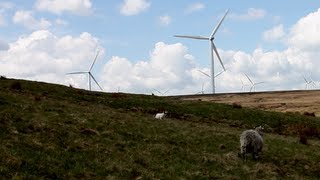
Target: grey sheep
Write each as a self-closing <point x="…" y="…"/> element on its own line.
<point x="251" y="141"/>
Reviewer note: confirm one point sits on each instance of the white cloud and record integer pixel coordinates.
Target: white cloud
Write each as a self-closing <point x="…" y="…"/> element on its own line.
<point x="165" y="20"/>
<point x="134" y="7"/>
<point x="42" y="56"/>
<point x="251" y="14"/>
<point x="78" y="7"/>
<point x="61" y="22"/>
<point x="26" y="19"/>
<point x="195" y="7"/>
<point x="274" y="34"/>
<point x="305" y="33"/>
<point x="169" y="67"/>
<point x="279" y="69"/>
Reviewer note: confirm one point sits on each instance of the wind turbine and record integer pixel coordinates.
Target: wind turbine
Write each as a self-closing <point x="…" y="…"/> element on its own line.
<point x="208" y="76"/>
<point x="308" y="83"/>
<point x="162" y="93"/>
<point x="253" y="85"/>
<point x="212" y="47"/>
<point x="89" y="74"/>
<point x="243" y="86"/>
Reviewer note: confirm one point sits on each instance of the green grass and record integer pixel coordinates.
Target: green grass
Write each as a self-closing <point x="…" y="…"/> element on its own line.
<point x="51" y="131"/>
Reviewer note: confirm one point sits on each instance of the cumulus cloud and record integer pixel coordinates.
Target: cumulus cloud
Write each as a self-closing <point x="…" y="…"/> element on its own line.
<point x="279" y="69"/>
<point x="43" y="56"/>
<point x="305" y="33"/>
<point x="170" y="67"/>
<point x="274" y="34"/>
<point x="134" y="7"/>
<point x="78" y="7"/>
<point x="195" y="7"/>
<point x="165" y="20"/>
<point x="26" y="19"/>
<point x="251" y="14"/>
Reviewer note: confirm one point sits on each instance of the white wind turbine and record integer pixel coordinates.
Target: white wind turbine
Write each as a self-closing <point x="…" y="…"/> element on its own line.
<point x="89" y="73"/>
<point x="253" y="84"/>
<point x="308" y="83"/>
<point x="243" y="86"/>
<point x="212" y="48"/>
<point x="208" y="77"/>
<point x="162" y="93"/>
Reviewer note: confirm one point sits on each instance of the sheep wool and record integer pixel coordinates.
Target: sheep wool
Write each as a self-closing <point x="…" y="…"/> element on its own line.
<point x="160" y="115"/>
<point x="251" y="141"/>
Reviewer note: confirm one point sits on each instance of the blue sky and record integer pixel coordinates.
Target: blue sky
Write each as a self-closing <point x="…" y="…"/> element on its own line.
<point x="270" y="41"/>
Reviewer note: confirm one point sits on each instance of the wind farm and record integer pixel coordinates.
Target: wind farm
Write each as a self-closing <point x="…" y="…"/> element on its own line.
<point x="146" y="89"/>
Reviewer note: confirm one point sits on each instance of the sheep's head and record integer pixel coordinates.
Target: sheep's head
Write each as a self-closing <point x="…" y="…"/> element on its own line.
<point x="259" y="129"/>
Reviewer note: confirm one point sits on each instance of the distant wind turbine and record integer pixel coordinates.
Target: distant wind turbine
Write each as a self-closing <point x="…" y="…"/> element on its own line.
<point x="89" y="73"/>
<point x="243" y="86"/>
<point x="253" y="84"/>
<point x="162" y="93"/>
<point x="308" y="83"/>
<point x="212" y="48"/>
<point x="208" y="77"/>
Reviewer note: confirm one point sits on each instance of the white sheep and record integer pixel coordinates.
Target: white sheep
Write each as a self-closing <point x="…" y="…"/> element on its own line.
<point x="161" y="115"/>
<point x="251" y="141"/>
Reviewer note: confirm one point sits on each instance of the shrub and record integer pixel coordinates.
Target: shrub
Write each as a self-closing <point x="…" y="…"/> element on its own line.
<point x="3" y="77"/>
<point x="16" y="86"/>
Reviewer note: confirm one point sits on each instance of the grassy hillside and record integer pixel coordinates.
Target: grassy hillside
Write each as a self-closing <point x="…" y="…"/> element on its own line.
<point x="52" y="131"/>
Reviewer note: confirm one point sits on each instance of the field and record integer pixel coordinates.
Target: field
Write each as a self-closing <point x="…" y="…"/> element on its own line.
<point x="280" y="101"/>
<point x="51" y="131"/>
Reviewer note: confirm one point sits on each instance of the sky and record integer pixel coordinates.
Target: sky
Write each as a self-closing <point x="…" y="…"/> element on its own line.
<point x="274" y="42"/>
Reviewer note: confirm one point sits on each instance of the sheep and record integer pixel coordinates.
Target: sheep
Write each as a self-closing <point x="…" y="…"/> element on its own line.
<point x="251" y="141"/>
<point x="161" y="115"/>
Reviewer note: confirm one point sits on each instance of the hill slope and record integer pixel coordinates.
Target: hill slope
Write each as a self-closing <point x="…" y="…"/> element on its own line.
<point x="52" y="131"/>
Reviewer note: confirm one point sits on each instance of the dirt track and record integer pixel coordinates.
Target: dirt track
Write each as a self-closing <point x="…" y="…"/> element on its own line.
<point x="283" y="101"/>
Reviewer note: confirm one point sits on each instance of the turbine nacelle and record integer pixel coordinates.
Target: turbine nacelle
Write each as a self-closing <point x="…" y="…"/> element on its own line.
<point x="89" y="73"/>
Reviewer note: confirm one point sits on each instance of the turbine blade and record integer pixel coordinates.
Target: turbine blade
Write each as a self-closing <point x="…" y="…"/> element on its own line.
<point x="218" y="74"/>
<point x="204" y="73"/>
<point x="248" y="78"/>
<point x="218" y="25"/>
<point x="96" y="82"/>
<point x="94" y="60"/>
<point x="305" y="79"/>
<point x="157" y="91"/>
<point x="78" y="72"/>
<point x="166" y="91"/>
<point x="192" y="37"/>
<point x="259" y="83"/>
<point x="216" y="51"/>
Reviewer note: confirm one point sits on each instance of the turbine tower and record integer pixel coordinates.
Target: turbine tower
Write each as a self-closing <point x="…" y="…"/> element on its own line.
<point x="89" y="74"/>
<point x="209" y="76"/>
<point x="212" y="48"/>
<point x="253" y="84"/>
